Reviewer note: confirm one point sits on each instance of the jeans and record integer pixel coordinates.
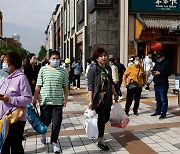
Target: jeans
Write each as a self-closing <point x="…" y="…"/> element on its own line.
<point x="161" y="98"/>
<point x="133" y="94"/>
<point x="52" y="113"/>
<point x="13" y="141"/>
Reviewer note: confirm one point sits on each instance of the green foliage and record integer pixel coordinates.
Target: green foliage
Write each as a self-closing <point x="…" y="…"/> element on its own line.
<point x="5" y="49"/>
<point x="42" y="52"/>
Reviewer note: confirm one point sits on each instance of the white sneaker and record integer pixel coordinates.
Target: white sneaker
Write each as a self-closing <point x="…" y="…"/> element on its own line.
<point x="43" y="138"/>
<point x="121" y="97"/>
<point x="56" y="148"/>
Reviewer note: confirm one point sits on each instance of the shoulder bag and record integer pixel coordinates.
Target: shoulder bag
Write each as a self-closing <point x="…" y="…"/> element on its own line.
<point x="133" y="84"/>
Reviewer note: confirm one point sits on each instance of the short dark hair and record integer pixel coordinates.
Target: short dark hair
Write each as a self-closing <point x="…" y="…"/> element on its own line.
<point x="134" y="57"/>
<point x="112" y="60"/>
<point x="150" y="52"/>
<point x="14" y="59"/>
<point x="97" y="53"/>
<point x="54" y="53"/>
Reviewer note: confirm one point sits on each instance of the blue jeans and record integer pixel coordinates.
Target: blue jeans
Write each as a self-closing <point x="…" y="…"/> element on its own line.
<point x="161" y="98"/>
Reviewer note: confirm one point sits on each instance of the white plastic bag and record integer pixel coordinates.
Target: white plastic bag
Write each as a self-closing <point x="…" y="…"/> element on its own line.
<point x="91" y="124"/>
<point x="118" y="117"/>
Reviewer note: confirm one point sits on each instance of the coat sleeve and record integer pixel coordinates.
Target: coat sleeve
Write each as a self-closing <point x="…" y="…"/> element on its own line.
<point x="25" y="94"/>
<point x="91" y="78"/>
<point x="125" y="76"/>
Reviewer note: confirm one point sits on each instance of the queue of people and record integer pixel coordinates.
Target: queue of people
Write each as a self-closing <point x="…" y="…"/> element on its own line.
<point x="52" y="83"/>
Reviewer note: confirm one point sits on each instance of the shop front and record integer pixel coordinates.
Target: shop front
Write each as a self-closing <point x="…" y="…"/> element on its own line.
<point x="152" y="21"/>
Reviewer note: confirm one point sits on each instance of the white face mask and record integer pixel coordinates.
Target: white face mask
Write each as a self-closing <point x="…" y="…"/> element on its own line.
<point x="5" y="67"/>
<point x="136" y="62"/>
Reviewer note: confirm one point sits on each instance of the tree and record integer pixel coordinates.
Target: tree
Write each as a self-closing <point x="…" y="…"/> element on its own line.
<point x="42" y="53"/>
<point x="5" y="49"/>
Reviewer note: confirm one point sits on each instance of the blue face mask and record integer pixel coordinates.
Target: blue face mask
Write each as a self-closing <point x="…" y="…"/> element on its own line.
<point x="5" y="67"/>
<point x="54" y="62"/>
<point x="159" y="60"/>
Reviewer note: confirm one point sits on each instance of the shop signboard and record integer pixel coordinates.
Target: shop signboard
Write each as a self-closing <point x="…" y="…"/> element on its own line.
<point x="154" y="5"/>
<point x="95" y="4"/>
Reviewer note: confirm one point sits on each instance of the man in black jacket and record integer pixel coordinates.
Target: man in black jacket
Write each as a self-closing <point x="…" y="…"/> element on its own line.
<point x="161" y="72"/>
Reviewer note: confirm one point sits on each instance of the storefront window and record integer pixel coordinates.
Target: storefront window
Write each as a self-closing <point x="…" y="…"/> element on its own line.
<point x="102" y="37"/>
<point x="102" y="24"/>
<point x="113" y="37"/>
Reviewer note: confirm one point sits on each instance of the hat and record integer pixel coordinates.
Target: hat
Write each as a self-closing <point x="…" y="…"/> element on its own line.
<point x="67" y="61"/>
<point x="159" y="54"/>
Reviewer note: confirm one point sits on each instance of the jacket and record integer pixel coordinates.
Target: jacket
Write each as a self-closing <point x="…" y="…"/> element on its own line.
<point x="115" y="75"/>
<point x="94" y="78"/>
<point x="17" y="87"/>
<point x="165" y="71"/>
<point x="77" y="68"/>
<point x="132" y="73"/>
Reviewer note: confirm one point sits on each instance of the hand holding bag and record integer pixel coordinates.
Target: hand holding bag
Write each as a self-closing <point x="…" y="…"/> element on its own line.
<point x="118" y="117"/>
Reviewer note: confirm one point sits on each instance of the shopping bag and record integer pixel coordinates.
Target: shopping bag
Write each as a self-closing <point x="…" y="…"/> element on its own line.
<point x="118" y="117"/>
<point x="91" y="124"/>
<point x="35" y="121"/>
<point x="4" y="128"/>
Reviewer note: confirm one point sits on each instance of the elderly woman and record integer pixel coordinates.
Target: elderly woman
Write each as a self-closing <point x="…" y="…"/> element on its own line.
<point x="135" y="72"/>
<point x="15" y="92"/>
<point x="101" y="89"/>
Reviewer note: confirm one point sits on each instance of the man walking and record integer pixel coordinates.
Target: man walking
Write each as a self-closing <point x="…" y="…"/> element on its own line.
<point x="161" y="72"/>
<point x="52" y="83"/>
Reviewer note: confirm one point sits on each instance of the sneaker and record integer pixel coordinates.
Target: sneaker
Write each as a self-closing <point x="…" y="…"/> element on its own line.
<point x="78" y="88"/>
<point x="103" y="146"/>
<point x="43" y="138"/>
<point x="120" y="97"/>
<point x="56" y="148"/>
<point x="74" y="88"/>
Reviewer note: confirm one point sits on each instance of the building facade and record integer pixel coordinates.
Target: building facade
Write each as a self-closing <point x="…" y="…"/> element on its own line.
<point x="122" y="27"/>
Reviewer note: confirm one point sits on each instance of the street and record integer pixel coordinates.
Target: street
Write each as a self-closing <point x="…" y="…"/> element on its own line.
<point x="144" y="134"/>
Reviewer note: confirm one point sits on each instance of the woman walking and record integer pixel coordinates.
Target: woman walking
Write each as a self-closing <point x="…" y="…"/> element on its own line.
<point x="136" y="73"/>
<point x="16" y="93"/>
<point x="31" y="71"/>
<point x="101" y="89"/>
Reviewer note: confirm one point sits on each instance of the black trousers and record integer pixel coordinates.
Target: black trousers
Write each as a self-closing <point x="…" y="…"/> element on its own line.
<point x="103" y="117"/>
<point x="133" y="94"/>
<point x="14" y="139"/>
<point x="76" y="77"/>
<point x="52" y="113"/>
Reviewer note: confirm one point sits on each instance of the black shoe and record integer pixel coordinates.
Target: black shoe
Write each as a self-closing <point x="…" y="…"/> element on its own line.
<point x="155" y="114"/>
<point x="136" y="113"/>
<point x="127" y="113"/>
<point x="162" y="117"/>
<point x="103" y="146"/>
<point x="147" y="88"/>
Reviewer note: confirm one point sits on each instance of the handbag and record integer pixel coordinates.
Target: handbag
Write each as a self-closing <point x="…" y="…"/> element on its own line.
<point x="4" y="129"/>
<point x="15" y="115"/>
<point x="35" y="121"/>
<point x="133" y="84"/>
<point x="91" y="124"/>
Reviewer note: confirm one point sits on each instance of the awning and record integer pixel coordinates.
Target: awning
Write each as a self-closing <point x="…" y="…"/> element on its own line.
<point x="160" y="23"/>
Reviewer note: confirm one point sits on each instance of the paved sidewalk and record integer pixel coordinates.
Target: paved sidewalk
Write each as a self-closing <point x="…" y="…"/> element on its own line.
<point x="144" y="134"/>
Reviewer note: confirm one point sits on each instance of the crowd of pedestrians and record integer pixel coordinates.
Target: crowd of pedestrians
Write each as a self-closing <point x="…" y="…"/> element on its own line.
<point x="49" y="85"/>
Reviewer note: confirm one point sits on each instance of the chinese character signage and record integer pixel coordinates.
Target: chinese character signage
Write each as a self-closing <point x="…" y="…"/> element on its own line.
<point x="154" y="5"/>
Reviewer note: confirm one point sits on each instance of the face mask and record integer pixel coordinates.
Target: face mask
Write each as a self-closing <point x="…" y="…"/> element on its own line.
<point x="55" y="63"/>
<point x="159" y="60"/>
<point x="136" y="62"/>
<point x="5" y="67"/>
